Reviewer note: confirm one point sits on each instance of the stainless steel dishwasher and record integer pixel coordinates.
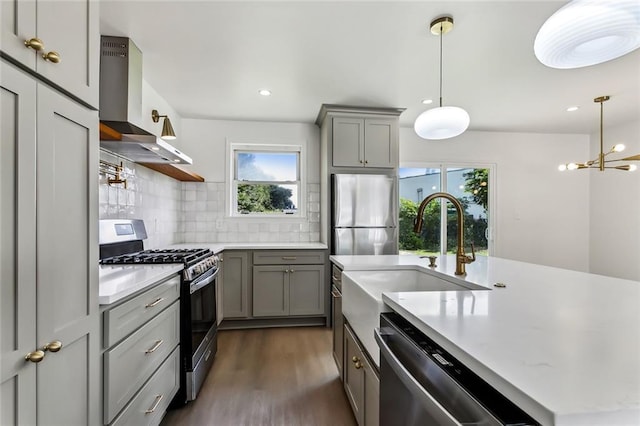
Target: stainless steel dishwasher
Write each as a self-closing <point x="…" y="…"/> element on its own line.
<point x="421" y="384"/>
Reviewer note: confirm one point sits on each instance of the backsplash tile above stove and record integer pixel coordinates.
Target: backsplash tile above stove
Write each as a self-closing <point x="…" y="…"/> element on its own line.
<point x="177" y="212"/>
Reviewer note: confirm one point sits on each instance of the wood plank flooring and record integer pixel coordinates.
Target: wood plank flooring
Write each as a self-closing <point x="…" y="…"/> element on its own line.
<point x="275" y="376"/>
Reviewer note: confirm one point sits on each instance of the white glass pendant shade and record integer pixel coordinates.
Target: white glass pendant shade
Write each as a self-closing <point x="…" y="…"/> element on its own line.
<point x="588" y="32"/>
<point x="441" y="123"/>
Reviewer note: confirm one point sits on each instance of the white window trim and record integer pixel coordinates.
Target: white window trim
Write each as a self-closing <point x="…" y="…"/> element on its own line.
<point x="265" y="145"/>
<point x="492" y="219"/>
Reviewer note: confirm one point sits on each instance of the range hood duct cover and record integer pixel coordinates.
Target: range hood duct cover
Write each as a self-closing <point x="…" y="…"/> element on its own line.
<point x="121" y="105"/>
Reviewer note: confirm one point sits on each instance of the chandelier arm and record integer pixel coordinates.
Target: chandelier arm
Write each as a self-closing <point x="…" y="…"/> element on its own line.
<point x="441" y="32"/>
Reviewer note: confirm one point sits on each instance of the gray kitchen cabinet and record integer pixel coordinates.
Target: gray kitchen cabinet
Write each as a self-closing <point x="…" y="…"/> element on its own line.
<point x="142" y="354"/>
<point x="289" y="286"/>
<point x="49" y="294"/>
<point x="365" y="142"/>
<point x="235" y="278"/>
<point x="68" y="29"/>
<point x="361" y="382"/>
<point x="289" y="290"/>
<point x="337" y="318"/>
<point x="270" y="291"/>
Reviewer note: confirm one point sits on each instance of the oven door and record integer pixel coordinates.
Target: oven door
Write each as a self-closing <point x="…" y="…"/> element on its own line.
<point x="203" y="327"/>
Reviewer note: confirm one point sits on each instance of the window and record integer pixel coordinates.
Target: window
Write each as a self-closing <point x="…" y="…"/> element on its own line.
<point x="266" y="181"/>
<point x="470" y="185"/>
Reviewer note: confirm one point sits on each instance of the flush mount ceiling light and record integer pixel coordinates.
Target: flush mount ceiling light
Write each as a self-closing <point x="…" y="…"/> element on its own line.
<point x="600" y="162"/>
<point x="264" y="92"/>
<point x="167" y="128"/>
<point x="442" y="122"/>
<point x="588" y="32"/>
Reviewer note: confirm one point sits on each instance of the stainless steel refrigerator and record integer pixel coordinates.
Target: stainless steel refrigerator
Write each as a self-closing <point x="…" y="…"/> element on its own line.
<point x="364" y="214"/>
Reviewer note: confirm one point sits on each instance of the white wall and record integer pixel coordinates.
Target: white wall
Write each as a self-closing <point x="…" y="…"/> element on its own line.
<point x="542" y="215"/>
<point x="205" y="208"/>
<point x="615" y="208"/>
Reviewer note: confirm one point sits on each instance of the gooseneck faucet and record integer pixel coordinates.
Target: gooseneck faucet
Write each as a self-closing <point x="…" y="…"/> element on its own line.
<point x="461" y="258"/>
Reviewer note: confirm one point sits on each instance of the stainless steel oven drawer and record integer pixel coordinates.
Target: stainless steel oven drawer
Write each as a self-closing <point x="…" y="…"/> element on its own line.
<point x="289" y="257"/>
<point x="129" y="364"/>
<point x="150" y="404"/>
<point x="123" y="319"/>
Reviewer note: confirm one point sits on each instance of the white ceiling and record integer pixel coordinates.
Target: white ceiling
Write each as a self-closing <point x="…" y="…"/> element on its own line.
<point x="209" y="58"/>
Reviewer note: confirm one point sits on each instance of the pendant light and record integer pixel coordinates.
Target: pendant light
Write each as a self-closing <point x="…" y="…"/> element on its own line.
<point x="442" y="122"/>
<point x="588" y="32"/>
<point x="600" y="162"/>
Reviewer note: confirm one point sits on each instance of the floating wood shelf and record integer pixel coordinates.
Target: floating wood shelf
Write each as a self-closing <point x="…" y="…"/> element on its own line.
<point x="172" y="170"/>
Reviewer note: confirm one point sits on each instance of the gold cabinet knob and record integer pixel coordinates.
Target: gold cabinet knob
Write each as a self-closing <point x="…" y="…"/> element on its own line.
<point x="35" y="356"/>
<point x="53" y="57"/>
<point x="53" y="346"/>
<point x="34" y="43"/>
<point x="358" y="365"/>
<point x="355" y="359"/>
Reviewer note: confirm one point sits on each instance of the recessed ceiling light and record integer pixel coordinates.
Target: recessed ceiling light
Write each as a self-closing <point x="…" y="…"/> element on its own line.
<point x="573" y="108"/>
<point x="427" y="101"/>
<point x="264" y="92"/>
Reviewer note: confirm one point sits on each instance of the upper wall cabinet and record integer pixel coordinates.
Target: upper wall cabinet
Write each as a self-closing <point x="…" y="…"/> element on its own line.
<point x="58" y="40"/>
<point x="357" y="137"/>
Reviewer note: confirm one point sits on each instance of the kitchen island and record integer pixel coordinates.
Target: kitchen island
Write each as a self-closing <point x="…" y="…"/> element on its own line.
<point x="562" y="345"/>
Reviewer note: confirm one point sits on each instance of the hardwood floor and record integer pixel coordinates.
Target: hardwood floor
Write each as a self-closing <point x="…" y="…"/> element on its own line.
<point x="274" y="376"/>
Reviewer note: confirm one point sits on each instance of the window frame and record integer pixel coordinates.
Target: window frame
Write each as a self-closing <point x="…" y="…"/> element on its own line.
<point x="492" y="210"/>
<point x="265" y="147"/>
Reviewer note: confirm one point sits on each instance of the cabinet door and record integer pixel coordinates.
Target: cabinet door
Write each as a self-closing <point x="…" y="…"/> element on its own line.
<point x="379" y="143"/>
<point x="348" y="142"/>
<point x="270" y="291"/>
<point x="17" y="24"/>
<point x="236" y="284"/>
<point x="306" y="290"/>
<point x="71" y="28"/>
<point x="353" y="375"/>
<point x="220" y="290"/>
<point x="17" y="245"/>
<point x="67" y="279"/>
<point x="371" y="395"/>
<point x="338" y="331"/>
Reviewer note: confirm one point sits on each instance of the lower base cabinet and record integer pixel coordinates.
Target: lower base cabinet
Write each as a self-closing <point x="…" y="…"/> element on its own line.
<point x="142" y="355"/>
<point x="361" y="381"/>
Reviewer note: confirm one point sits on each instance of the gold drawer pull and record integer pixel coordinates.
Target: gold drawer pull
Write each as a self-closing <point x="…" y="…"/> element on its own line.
<point x="53" y="346"/>
<point x="34" y="43"/>
<point x="35" y="356"/>
<point x="53" y="57"/>
<point x="156" y="346"/>
<point x="289" y="258"/>
<point x="155" y="404"/>
<point x="336" y="294"/>
<point x="154" y="303"/>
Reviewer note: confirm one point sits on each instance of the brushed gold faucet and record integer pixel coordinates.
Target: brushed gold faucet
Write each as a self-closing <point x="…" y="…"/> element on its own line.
<point x="461" y="258"/>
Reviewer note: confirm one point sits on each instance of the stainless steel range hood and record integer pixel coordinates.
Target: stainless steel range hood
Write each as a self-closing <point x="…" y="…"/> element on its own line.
<point x="121" y="106"/>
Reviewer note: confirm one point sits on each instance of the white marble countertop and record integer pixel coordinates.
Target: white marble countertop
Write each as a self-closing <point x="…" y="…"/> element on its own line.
<point x="120" y="281"/>
<point x="218" y="247"/>
<point x="563" y="345"/>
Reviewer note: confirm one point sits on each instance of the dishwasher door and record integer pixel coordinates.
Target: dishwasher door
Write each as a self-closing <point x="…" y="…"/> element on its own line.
<point x="421" y="385"/>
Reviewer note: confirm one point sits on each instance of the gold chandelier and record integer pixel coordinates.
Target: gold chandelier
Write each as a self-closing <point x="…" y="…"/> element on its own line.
<point x="601" y="162"/>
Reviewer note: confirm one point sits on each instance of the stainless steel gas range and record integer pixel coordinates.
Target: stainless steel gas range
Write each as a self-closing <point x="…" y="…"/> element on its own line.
<point x="121" y="242"/>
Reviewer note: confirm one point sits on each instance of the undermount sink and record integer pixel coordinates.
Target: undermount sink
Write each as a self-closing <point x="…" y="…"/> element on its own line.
<point x="362" y="297"/>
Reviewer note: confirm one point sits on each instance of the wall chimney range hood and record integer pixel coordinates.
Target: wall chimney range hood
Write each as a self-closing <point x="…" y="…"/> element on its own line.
<point x="121" y="107"/>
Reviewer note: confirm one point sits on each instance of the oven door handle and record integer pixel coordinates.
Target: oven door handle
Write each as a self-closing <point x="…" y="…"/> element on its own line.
<point x="198" y="284"/>
<point x="413" y="386"/>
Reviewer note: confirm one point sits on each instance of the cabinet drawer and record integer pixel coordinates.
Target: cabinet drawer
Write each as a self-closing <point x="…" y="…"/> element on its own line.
<point x="120" y="321"/>
<point x="297" y="257"/>
<point x="129" y="364"/>
<point x="150" y="404"/>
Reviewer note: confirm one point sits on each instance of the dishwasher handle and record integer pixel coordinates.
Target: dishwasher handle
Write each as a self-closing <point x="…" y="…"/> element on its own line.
<point x="432" y="406"/>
